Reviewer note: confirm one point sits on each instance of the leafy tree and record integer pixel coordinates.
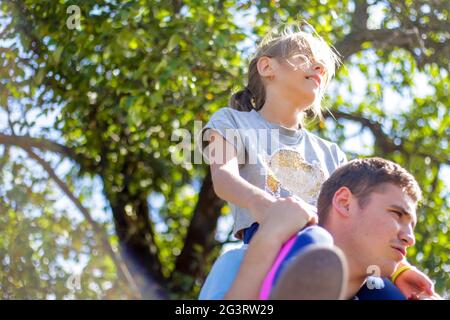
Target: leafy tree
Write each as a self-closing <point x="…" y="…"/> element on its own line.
<point x="119" y="84"/>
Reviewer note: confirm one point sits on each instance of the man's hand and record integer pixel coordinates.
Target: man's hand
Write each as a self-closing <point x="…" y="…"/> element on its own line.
<point x="414" y="283"/>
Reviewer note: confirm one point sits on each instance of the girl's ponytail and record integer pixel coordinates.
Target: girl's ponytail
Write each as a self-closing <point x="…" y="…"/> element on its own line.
<point x="254" y="94"/>
<point x="242" y="100"/>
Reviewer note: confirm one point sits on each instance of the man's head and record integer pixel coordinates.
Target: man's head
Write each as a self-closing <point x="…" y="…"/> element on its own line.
<point x="369" y="206"/>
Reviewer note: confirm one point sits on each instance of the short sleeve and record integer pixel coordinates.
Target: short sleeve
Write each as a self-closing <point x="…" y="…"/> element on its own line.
<point x="224" y="123"/>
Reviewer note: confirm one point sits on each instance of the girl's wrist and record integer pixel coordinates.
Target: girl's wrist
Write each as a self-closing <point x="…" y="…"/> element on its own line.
<point x="258" y="204"/>
<point x="267" y="238"/>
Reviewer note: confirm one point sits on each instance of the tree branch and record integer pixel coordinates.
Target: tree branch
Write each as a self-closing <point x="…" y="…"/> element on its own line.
<point x="382" y="140"/>
<point x="360" y="15"/>
<point x="408" y="36"/>
<point x="200" y="238"/>
<point x="26" y="142"/>
<point x="380" y="38"/>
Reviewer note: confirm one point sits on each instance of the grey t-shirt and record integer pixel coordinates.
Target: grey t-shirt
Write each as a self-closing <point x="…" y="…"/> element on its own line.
<point x="284" y="162"/>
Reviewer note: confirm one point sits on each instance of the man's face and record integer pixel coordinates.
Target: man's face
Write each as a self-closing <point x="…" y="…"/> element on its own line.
<point x="383" y="229"/>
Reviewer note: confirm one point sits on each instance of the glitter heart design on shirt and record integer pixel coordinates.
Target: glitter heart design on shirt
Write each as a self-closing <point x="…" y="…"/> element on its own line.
<point x="288" y="170"/>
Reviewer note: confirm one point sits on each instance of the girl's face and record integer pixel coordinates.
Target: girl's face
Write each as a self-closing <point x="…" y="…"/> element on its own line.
<point x="297" y="79"/>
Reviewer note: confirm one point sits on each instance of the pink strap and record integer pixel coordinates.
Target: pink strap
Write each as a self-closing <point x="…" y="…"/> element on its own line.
<point x="268" y="280"/>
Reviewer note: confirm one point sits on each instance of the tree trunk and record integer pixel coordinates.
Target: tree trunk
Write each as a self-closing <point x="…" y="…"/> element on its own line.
<point x="137" y="244"/>
<point x="200" y="239"/>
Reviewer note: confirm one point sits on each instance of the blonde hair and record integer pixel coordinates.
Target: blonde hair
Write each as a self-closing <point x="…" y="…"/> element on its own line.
<point x="283" y="42"/>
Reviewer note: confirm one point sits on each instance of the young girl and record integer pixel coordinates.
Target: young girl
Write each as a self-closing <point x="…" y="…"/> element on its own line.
<point x="260" y="155"/>
<point x="263" y="161"/>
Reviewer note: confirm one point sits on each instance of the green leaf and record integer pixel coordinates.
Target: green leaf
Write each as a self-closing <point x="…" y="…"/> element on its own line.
<point x="173" y="42"/>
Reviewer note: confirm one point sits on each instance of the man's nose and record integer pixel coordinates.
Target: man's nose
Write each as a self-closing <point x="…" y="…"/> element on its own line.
<point x="407" y="236"/>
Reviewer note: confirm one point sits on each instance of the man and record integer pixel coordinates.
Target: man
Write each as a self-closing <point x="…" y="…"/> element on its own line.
<point x="368" y="208"/>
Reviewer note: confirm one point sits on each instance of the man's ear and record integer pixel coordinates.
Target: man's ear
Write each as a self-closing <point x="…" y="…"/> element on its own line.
<point x="341" y="201"/>
<point x="265" y="67"/>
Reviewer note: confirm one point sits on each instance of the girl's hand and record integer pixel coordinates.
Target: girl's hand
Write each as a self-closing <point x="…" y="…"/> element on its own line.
<point x="284" y="217"/>
<point x="414" y="283"/>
